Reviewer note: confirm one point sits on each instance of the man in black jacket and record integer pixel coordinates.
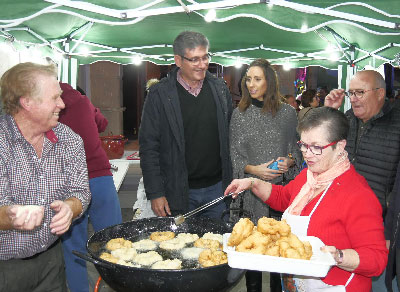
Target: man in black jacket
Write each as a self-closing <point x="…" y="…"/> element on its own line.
<point x="373" y="143"/>
<point x="183" y="138"/>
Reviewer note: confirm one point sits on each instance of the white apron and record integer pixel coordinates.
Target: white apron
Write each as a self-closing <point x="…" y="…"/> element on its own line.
<point x="299" y="226"/>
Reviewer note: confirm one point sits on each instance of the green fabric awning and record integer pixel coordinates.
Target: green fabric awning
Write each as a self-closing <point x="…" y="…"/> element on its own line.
<point x="296" y="33"/>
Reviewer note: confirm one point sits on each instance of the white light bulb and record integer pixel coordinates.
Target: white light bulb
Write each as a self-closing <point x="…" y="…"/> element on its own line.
<point x="287" y="66"/>
<point x="211" y="15"/>
<point x="136" y="60"/>
<point x="334" y="57"/>
<point x="84" y="51"/>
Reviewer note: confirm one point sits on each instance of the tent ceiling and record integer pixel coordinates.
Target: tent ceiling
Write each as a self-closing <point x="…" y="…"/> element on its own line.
<point x="295" y="32"/>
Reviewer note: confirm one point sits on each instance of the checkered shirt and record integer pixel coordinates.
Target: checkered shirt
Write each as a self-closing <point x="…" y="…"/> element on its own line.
<point x="25" y="179"/>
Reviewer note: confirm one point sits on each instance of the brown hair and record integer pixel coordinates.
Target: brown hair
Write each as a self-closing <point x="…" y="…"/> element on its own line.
<point x="19" y="81"/>
<point x="272" y="97"/>
<point x="307" y="97"/>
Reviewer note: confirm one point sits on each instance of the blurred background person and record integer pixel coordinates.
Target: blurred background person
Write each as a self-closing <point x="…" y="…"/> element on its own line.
<point x="309" y="100"/>
<point x="104" y="209"/>
<point x="291" y="100"/>
<point x="322" y="91"/>
<point x="262" y="130"/>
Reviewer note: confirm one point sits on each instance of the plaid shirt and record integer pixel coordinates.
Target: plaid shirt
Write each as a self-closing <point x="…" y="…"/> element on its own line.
<point x="191" y="90"/>
<point x="25" y="179"/>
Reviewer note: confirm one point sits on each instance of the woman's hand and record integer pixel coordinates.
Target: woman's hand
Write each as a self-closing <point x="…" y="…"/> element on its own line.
<point x="258" y="187"/>
<point x="238" y="185"/>
<point x="262" y="171"/>
<point x="285" y="164"/>
<point x="346" y="259"/>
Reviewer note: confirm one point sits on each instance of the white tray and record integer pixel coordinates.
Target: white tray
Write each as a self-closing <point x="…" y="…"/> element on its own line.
<point x="317" y="266"/>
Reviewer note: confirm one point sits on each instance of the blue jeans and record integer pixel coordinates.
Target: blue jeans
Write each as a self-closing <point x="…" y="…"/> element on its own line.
<point x="104" y="210"/>
<point x="199" y="197"/>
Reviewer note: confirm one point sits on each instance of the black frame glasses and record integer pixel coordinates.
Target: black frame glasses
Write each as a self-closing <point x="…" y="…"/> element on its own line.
<point x="358" y="93"/>
<point x="196" y="60"/>
<point x="317" y="150"/>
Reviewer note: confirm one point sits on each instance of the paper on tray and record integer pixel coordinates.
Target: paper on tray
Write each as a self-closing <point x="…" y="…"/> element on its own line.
<point x="318" y="266"/>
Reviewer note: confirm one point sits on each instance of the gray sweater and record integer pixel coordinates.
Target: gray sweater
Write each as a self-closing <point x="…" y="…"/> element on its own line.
<point x="256" y="138"/>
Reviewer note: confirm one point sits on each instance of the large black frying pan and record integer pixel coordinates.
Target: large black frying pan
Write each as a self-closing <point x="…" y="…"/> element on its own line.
<point x="123" y="278"/>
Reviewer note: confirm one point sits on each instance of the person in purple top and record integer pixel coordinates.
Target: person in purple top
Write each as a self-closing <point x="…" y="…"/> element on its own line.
<point x="43" y="180"/>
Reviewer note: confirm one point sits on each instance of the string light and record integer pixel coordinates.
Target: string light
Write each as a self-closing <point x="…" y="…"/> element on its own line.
<point x="211" y="15"/>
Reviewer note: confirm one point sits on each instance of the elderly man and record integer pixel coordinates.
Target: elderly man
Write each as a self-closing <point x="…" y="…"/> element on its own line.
<point x="373" y="143"/>
<point x="184" y="151"/>
<point x="44" y="181"/>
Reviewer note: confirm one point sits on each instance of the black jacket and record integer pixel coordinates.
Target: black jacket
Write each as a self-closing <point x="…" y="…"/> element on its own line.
<point x="377" y="154"/>
<point x="392" y="224"/>
<point x="162" y="145"/>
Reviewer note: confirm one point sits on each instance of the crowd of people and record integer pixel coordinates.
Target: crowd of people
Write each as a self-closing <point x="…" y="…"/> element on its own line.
<point x="194" y="147"/>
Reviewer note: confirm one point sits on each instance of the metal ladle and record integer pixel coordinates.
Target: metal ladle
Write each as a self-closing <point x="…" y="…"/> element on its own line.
<point x="179" y="219"/>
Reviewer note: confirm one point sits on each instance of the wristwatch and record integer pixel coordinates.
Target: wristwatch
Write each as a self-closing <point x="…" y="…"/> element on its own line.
<point x="339" y="256"/>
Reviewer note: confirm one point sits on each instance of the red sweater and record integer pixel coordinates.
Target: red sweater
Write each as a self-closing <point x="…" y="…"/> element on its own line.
<point x="87" y="121"/>
<point x="349" y="216"/>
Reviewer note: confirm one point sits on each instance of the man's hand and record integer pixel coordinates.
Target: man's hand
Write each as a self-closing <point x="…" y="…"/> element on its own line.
<point x="334" y="98"/>
<point x="62" y="220"/>
<point x="25" y="217"/>
<point x="160" y="207"/>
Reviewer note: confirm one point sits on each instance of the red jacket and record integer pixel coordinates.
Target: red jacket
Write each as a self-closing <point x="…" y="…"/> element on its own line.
<point x="349" y="216"/>
<point x="87" y="121"/>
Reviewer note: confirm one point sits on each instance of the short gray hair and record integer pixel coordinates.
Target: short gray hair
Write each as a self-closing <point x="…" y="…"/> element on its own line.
<point x="189" y="40"/>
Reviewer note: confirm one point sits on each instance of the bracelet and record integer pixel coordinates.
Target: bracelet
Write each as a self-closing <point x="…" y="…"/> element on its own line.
<point x="339" y="254"/>
<point x="252" y="183"/>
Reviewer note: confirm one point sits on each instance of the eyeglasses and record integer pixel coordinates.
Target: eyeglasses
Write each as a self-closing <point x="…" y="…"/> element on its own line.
<point x="358" y="93"/>
<point x="196" y="60"/>
<point x="317" y="150"/>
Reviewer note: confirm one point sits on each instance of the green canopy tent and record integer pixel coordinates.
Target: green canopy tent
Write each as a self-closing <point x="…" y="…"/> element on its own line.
<point x="331" y="34"/>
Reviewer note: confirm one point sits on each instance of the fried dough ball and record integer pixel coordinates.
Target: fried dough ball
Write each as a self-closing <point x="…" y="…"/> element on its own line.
<point x="172" y="244"/>
<point x="128" y="264"/>
<point x="125" y="254"/>
<point x="272" y="250"/>
<point x="187" y="237"/>
<point x="214" y="236"/>
<point x="208" y="243"/>
<point x="209" y="258"/>
<point x="256" y="243"/>
<point x="241" y="230"/>
<point x="108" y="257"/>
<point x="308" y="250"/>
<point x="191" y="253"/>
<point x="162" y="235"/>
<point x="144" y="245"/>
<point x="292" y="247"/>
<point x="174" y="264"/>
<point x="271" y="226"/>
<point x="148" y="258"/>
<point x="117" y="243"/>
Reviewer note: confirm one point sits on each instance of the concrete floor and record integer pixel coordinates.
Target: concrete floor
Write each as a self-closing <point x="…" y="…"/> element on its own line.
<point x="127" y="196"/>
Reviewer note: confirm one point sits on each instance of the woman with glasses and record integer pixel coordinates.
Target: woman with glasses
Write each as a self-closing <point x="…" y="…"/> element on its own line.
<point x="262" y="131"/>
<point x="331" y="201"/>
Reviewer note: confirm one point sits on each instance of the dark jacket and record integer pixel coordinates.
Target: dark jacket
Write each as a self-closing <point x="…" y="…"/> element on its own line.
<point x="377" y="154"/>
<point x="162" y="145"/>
<point x="392" y="224"/>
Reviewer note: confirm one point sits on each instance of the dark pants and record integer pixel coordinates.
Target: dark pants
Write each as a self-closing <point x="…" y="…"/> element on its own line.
<point x="199" y="197"/>
<point x="43" y="272"/>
